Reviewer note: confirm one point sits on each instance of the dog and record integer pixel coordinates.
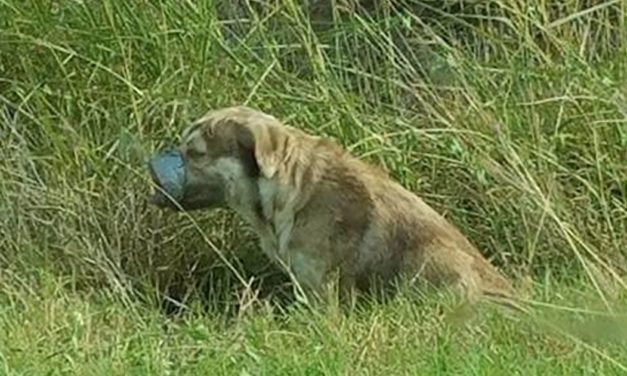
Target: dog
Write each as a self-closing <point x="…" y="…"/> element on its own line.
<point x="318" y="210"/>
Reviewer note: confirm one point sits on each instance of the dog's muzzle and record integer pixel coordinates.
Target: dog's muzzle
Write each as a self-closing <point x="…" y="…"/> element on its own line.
<point x="168" y="171"/>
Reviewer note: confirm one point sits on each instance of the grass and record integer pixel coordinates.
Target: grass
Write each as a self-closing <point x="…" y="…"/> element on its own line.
<point x="509" y="120"/>
<point x="58" y="332"/>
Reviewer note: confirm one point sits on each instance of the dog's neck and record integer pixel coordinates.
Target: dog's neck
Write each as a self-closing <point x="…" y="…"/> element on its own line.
<point x="269" y="207"/>
<point x="254" y="202"/>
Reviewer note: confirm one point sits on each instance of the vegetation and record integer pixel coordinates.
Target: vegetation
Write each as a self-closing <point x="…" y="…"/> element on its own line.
<point x="508" y="117"/>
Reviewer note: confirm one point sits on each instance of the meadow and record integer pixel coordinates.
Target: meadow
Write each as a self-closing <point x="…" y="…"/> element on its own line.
<point x="508" y="117"/>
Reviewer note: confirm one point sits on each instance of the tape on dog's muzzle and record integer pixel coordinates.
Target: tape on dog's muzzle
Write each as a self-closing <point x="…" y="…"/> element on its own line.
<point x="168" y="171"/>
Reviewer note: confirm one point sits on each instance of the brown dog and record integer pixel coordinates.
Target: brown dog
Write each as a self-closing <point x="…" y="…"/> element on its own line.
<point x="317" y="209"/>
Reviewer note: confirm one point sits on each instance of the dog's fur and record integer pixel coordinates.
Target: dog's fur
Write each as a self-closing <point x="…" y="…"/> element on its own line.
<point x="322" y="212"/>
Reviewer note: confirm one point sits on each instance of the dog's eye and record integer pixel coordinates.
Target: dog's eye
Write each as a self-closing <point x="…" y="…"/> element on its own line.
<point x="194" y="153"/>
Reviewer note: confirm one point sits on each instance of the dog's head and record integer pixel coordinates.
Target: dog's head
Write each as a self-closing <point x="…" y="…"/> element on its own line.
<point x="220" y="157"/>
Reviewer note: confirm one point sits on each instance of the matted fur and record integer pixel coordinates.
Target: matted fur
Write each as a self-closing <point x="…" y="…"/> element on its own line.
<point x="320" y="212"/>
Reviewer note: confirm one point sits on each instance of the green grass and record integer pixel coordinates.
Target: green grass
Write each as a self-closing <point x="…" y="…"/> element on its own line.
<point x="48" y="329"/>
<point x="511" y="121"/>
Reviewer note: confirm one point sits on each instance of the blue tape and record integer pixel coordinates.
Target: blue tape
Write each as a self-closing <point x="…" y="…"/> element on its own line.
<point x="168" y="169"/>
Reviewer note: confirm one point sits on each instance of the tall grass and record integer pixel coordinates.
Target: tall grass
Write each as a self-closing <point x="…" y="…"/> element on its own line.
<point x="508" y="117"/>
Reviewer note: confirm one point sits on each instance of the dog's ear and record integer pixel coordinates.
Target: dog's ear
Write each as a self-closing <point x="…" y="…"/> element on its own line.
<point x="262" y="143"/>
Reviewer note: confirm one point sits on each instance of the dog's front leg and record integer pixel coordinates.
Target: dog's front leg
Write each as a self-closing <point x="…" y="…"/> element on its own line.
<point x="309" y="275"/>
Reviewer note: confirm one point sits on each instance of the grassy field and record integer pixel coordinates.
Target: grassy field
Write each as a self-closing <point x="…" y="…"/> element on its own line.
<point x="510" y="119"/>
